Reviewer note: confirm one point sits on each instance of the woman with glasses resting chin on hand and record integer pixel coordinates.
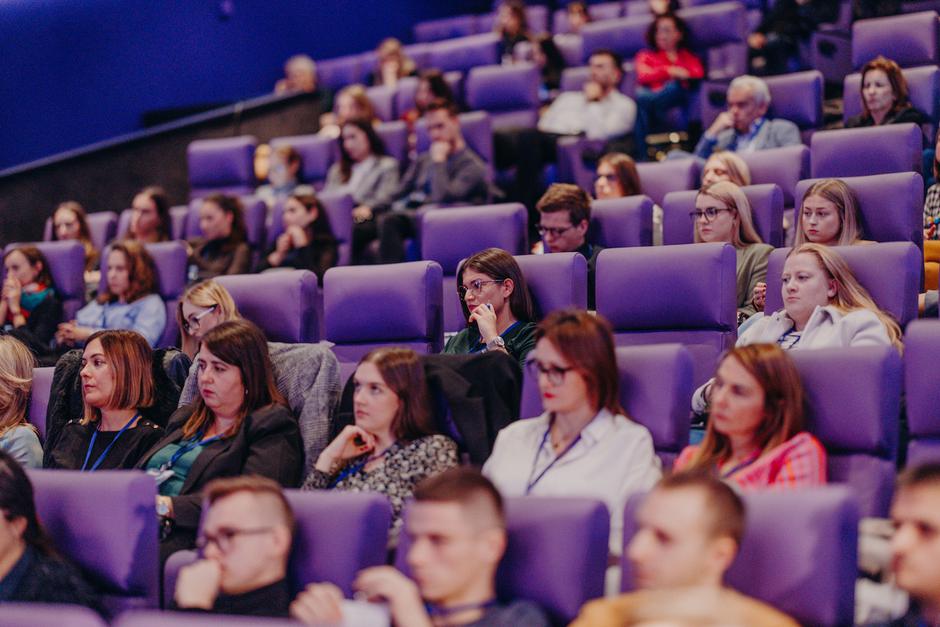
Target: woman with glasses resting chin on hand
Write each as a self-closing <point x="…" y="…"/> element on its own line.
<point x="495" y="299"/>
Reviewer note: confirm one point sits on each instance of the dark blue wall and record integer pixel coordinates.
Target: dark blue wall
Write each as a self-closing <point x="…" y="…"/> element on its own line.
<point x="79" y="71"/>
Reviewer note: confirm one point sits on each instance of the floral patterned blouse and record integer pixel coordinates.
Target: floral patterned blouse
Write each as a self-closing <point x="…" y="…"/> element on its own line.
<point x="405" y="465"/>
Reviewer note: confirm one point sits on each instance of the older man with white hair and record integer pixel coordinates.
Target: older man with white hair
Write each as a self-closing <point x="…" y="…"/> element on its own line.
<point x="744" y="127"/>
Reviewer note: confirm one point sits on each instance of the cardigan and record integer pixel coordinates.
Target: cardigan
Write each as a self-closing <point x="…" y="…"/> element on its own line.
<point x="146" y="315"/>
<point x="750" y="270"/>
<point x="375" y="187"/>
<point x="217" y="257"/>
<point x="652" y="68"/>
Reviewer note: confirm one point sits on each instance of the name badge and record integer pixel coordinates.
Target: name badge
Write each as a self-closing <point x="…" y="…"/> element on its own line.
<point x="160" y="475"/>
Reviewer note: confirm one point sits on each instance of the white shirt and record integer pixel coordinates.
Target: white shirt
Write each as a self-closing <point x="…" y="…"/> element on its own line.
<point x="613" y="459"/>
<point x="571" y="114"/>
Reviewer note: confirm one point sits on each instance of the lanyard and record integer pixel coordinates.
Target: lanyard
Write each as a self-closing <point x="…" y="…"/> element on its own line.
<point x="481" y="345"/>
<point x="107" y="449"/>
<point x="186" y="447"/>
<point x="747" y="462"/>
<point x="531" y="483"/>
<point x="354" y="469"/>
<point x="437" y="610"/>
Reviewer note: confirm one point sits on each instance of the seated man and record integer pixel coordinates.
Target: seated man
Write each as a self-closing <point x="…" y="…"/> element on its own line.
<point x="283" y="176"/>
<point x="744" y="127"/>
<point x="689" y="529"/>
<point x="246" y="538"/>
<point x="458" y="536"/>
<point x="449" y="172"/>
<point x="564" y="217"/>
<point x="300" y="76"/>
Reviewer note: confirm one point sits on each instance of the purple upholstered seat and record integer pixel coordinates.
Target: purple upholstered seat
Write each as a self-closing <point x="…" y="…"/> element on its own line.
<point x="807" y="572"/>
<point x="445" y="28"/>
<point x="784" y="166"/>
<point x="383" y="99"/>
<point x="889" y="271"/>
<point x="622" y="222"/>
<point x="491" y="226"/>
<point x="662" y="294"/>
<point x="661" y="177"/>
<point x="222" y="165"/>
<point x="334" y="74"/>
<point x="105" y="523"/>
<point x="42" y="615"/>
<point x="338" y="206"/>
<point x="922" y="387"/>
<point x="556" y="554"/>
<point x="655" y="387"/>
<point x="67" y="264"/>
<point x="407" y="86"/>
<point x="556" y="281"/>
<point x="296" y="316"/>
<point x="338" y="534"/>
<point x="509" y="93"/>
<point x="102" y="226"/>
<point x="923" y="85"/>
<point x="255" y="212"/>
<point x="179" y="216"/>
<point x="766" y="208"/>
<point x="170" y="260"/>
<point x="317" y="154"/>
<point x="909" y="40"/>
<point x="864" y="151"/>
<point x="626" y="36"/>
<point x="891" y="205"/>
<point x="39" y="398"/>
<point x="370" y="306"/>
<point x="394" y="135"/>
<point x="719" y="33"/>
<point x="536" y="16"/>
<point x="153" y="618"/>
<point x="464" y="53"/>
<point x="571" y="48"/>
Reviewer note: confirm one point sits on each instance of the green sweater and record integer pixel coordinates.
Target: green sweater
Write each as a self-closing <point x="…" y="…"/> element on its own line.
<point x="520" y="340"/>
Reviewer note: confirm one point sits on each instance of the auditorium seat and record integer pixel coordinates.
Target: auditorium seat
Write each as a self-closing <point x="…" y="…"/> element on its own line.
<point x="599" y="12"/>
<point x="556" y="553"/>
<point x="225" y="165"/>
<point x="102" y="226"/>
<point x="407" y="86"/>
<point x="625" y="36"/>
<point x="67" y="264"/>
<point x="179" y="216"/>
<point x="255" y="214"/>
<point x="865" y="151"/>
<point x="536" y="16"/>
<point x="655" y="388"/>
<point x="463" y="53"/>
<point x="923" y="87"/>
<point x="394" y="136"/>
<point x="445" y="28"/>
<point x="285" y="304"/>
<point x="42" y="615"/>
<point x="317" y="154"/>
<point x="382" y="98"/>
<point x="556" y="281"/>
<point x="152" y="618"/>
<point x="622" y="222"/>
<point x="766" y="208"/>
<point x="105" y="522"/>
<point x="922" y="387"/>
<point x="785" y="167"/>
<point x="664" y="294"/>
<point x="661" y="177"/>
<point x="719" y="35"/>
<point x="908" y="40"/>
<point x="509" y="93"/>
<point x="798" y="553"/>
<point x="334" y="74"/>
<point x="370" y="306"/>
<point x="338" y="206"/>
<point x="39" y="399"/>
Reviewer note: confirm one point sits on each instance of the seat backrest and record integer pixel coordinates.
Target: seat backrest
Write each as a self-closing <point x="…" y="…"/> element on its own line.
<point x="908" y="40"/>
<point x="923" y="84"/>
<point x="556" y="281"/>
<point x="622" y="222"/>
<point x="338" y="206"/>
<point x="394" y="136"/>
<point x="661" y="177"/>
<point x="369" y="306"/>
<point x="626" y="36"/>
<point x="382" y="98"/>
<point x="334" y="74"/>
<point x="224" y="165"/>
<point x="890" y="205"/>
<point x="555" y="556"/>
<point x="464" y="53"/>
<point x="295" y="318"/>
<point x="102" y="226"/>
<point x="170" y="259"/>
<point x="445" y="28"/>
<point x="317" y="154"/>
<point x="766" y="208"/>
<point x="868" y="150"/>
<point x="105" y="523"/>
<point x="39" y="398"/>
<point x="39" y="614"/>
<point x="510" y="93"/>
<point x="599" y="12"/>
<point x="889" y="271"/>
<point x="407" y="86"/>
<point x="67" y="264"/>
<point x="922" y="389"/>
<point x="684" y="294"/>
<point x="255" y="213"/>
<point x="809" y="571"/>
<point x="797" y="97"/>
<point x="785" y="167"/>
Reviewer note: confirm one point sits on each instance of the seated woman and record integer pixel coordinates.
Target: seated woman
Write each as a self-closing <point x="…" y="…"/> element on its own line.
<point x="616" y="177"/>
<point x="18" y="438"/>
<point x="885" y="96"/>
<point x="30" y="310"/>
<point x="238" y="425"/>
<point x="117" y="383"/>
<point x="393" y="444"/>
<point x="664" y="75"/>
<point x="70" y="222"/>
<point x="352" y="103"/>
<point x="307" y="242"/>
<point x="511" y="27"/>
<point x="31" y="570"/>
<point x="723" y="214"/>
<point x="578" y="15"/>
<point x="223" y="247"/>
<point x="496" y="302"/>
<point x="756" y="436"/>
<point x="932" y="199"/>
<point x="150" y="217"/>
<point x="128" y="301"/>
<point x="584" y="445"/>
<point x="725" y="165"/>
<point x="392" y="64"/>
<point x="203" y="307"/>
<point x="368" y="174"/>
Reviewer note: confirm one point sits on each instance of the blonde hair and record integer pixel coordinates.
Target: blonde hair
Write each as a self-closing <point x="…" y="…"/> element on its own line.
<point x="842" y="196"/>
<point x="16" y="379"/>
<point x="391" y="47"/>
<point x="205" y="294"/>
<point x="733" y="197"/>
<point x="738" y="171"/>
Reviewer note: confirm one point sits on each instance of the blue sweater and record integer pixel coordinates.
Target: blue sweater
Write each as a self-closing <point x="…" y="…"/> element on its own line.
<point x="145" y="315"/>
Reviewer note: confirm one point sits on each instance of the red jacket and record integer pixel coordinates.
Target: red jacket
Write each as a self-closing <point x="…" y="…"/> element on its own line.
<point x="651" y="67"/>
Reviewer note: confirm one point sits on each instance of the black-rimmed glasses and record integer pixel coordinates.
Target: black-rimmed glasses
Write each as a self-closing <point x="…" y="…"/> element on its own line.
<point x="554" y="374"/>
<point x="709" y="213"/>
<point x="224" y="538"/>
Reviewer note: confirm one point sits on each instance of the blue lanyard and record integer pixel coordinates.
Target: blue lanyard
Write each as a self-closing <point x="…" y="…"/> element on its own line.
<point x="186" y="446"/>
<point x="531" y="482"/>
<point x="437" y="610"/>
<point x="356" y="468"/>
<point x="94" y="437"/>
<point x="747" y="462"/>
<point x="481" y="345"/>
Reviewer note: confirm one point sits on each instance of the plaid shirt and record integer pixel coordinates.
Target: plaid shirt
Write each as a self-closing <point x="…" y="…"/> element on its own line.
<point x="932" y="206"/>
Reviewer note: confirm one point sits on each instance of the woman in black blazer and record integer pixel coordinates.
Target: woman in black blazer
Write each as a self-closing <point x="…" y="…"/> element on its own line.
<point x="238" y="425"/>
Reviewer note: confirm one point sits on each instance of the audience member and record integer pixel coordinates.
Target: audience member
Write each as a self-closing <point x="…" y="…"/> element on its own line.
<point x="70" y="222"/>
<point x="932" y="200"/>
<point x="449" y="172"/>
<point x="724" y="165"/>
<point x="245" y="541"/>
<point x="756" y="437"/>
<point x="616" y="177"/>
<point x="393" y="444"/>
<point x="30" y="310"/>
<point x="31" y="570"/>
<point x="578" y="15"/>
<point x="352" y="103"/>
<point x="223" y="246"/>
<point x="774" y="46"/>
<point x="664" y="73"/>
<point x="431" y="86"/>
<point x="128" y="300"/>
<point x="689" y="530"/>
<point x="392" y="64"/>
<point x="662" y="7"/>
<point x="584" y="444"/>
<point x="495" y="300"/>
<point x="117" y="383"/>
<point x="723" y="214"/>
<point x="885" y="96"/>
<point x="457" y="531"/>
<point x="204" y="306"/>
<point x="512" y="27"/>
<point x="564" y="220"/>
<point x="744" y="127"/>
<point x="283" y="175"/>
<point x="18" y="438"/>
<point x="150" y="217"/>
<point x="300" y="74"/>
<point x="238" y="425"/>
<point x="307" y="242"/>
<point x="547" y="56"/>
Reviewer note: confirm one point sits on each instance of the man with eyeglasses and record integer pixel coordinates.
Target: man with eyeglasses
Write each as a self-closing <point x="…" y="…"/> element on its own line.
<point x="564" y="217"/>
<point x="245" y="543"/>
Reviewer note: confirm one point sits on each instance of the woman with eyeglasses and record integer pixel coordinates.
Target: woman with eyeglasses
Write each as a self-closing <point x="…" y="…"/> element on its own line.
<point x="496" y="302"/>
<point x="584" y="444"/>
<point x="202" y="307"/>
<point x="723" y="214"/>
<point x="239" y="424"/>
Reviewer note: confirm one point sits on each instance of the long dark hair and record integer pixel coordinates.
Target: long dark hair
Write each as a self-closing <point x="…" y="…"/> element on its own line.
<point x="681" y="26"/>
<point x="376" y="146"/>
<point x="440" y="89"/>
<point x="232" y="206"/>
<point x="499" y="265"/>
<point x="17" y="501"/>
<point x="162" y="203"/>
<point x="403" y="373"/>
<point x="320" y="228"/>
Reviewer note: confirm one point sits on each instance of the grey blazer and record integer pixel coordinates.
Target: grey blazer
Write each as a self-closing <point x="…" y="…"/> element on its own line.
<point x="376" y="189"/>
<point x="772" y="134"/>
